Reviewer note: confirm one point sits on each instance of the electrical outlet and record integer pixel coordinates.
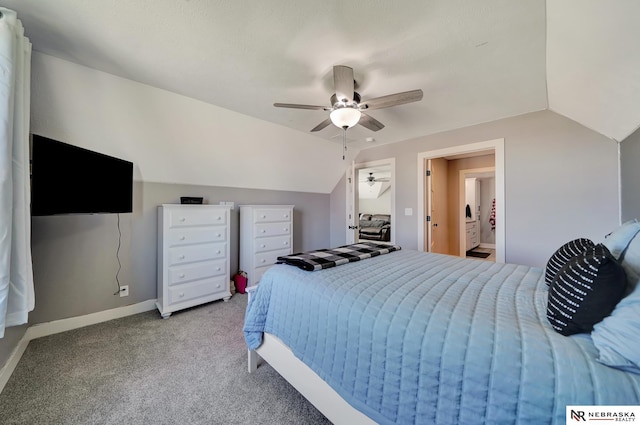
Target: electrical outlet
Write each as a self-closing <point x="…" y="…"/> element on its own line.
<point x="124" y="291"/>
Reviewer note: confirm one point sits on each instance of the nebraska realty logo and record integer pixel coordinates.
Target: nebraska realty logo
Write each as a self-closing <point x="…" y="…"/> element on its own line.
<point x="578" y="414"/>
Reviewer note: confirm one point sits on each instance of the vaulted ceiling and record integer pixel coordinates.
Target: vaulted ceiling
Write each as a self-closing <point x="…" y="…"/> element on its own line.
<point x="475" y="61"/>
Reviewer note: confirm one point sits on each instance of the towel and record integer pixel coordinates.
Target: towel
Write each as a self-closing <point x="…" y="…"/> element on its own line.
<point x="492" y="215"/>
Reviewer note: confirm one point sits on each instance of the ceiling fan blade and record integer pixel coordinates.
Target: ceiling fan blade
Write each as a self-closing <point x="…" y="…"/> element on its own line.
<point x="392" y="100"/>
<point x="322" y="125"/>
<point x="297" y="106"/>
<point x="371" y="123"/>
<point x="343" y="83"/>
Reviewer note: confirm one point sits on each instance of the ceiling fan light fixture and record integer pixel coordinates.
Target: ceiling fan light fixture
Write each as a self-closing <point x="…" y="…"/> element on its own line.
<point x="371" y="182"/>
<point x="345" y="117"/>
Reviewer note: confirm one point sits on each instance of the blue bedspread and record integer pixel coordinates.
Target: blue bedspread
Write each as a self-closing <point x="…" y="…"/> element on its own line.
<point x="416" y="338"/>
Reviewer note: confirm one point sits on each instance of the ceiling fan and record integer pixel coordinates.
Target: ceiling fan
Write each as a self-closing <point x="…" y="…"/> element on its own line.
<point x="371" y="180"/>
<point x="347" y="108"/>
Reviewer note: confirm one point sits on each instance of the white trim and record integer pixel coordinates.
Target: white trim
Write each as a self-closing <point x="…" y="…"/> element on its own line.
<point x="498" y="147"/>
<point x="352" y="199"/>
<point x="308" y="383"/>
<point x="619" y="182"/>
<point x="49" y="328"/>
<point x="14" y="358"/>
<point x="462" y="243"/>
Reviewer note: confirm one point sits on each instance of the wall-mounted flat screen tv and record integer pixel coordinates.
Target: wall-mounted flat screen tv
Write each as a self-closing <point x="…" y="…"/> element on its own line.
<point x="67" y="179"/>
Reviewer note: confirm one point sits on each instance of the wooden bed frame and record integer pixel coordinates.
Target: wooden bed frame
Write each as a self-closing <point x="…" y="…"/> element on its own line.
<point x="306" y="381"/>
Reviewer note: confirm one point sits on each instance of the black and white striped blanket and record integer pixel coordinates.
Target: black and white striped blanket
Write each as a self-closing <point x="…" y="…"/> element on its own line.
<point x="326" y="258"/>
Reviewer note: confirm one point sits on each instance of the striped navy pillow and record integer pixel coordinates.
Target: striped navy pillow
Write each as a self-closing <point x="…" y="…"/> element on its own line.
<point x="563" y="254"/>
<point x="585" y="291"/>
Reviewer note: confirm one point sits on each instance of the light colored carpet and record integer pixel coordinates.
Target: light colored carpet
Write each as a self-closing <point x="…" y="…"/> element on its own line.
<point x="188" y="369"/>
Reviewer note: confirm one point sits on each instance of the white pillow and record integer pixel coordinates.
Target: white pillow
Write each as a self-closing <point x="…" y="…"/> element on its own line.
<point x="617" y="336"/>
<point x="618" y="240"/>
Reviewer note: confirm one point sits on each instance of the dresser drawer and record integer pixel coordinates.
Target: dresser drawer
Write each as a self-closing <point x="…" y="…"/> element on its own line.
<point x="272" y="243"/>
<point x="198" y="289"/>
<point x="191" y="253"/>
<point x="269" y="258"/>
<point x="259" y="271"/>
<point x="265" y="215"/>
<point x="196" y="271"/>
<point x="272" y="229"/>
<point x="197" y="217"/>
<point x="188" y="235"/>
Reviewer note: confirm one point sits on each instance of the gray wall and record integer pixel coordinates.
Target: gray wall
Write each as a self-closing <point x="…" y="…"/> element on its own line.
<point x="74" y="256"/>
<point x="630" y="174"/>
<point x="561" y="182"/>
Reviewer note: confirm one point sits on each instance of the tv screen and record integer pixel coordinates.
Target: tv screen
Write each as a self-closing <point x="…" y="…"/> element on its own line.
<point x="67" y="179"/>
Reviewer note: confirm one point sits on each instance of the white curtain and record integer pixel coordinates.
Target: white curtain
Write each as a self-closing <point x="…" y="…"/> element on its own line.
<point x="16" y="273"/>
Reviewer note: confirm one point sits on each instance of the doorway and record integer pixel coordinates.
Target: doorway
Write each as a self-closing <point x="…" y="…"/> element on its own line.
<point x="477" y="199"/>
<point x="456" y="215"/>
<point x="371" y="191"/>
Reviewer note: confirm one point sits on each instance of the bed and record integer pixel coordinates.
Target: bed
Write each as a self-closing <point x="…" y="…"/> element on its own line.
<point x="418" y="338"/>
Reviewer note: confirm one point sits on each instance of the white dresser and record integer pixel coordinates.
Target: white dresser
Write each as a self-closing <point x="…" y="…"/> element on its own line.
<point x="193" y="256"/>
<point x="266" y="232"/>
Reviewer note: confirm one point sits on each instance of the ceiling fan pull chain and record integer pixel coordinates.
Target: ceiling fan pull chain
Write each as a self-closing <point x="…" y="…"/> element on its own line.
<point x="344" y="141"/>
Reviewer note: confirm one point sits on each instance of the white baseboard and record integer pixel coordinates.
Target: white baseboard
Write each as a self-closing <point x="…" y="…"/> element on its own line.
<point x="63" y="325"/>
<point x="49" y="328"/>
<point x="14" y="358"/>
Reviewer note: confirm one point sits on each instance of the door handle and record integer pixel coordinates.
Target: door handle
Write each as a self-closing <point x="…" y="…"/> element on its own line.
<point x="353" y="227"/>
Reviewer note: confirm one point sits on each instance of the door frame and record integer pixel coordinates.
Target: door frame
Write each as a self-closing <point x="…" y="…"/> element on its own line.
<point x="353" y="188"/>
<point x="497" y="145"/>
<point x="428" y="234"/>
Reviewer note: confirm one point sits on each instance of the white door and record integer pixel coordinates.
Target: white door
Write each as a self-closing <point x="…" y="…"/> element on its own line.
<point x="352" y="204"/>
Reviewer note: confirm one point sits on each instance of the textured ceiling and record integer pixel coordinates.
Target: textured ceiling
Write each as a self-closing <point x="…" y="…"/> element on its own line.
<point x="475" y="61"/>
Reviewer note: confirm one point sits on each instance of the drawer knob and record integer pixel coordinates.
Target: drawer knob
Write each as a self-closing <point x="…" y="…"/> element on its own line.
<point x="219" y="235"/>
<point x="181" y="294"/>
<point x="183" y="219"/>
<point x="181" y="275"/>
<point x="264" y="231"/>
<point x="218" y="269"/>
<point x="218" y="285"/>
<point x="263" y="246"/>
<point x="263" y="216"/>
<point x="263" y="260"/>
<point x="218" y="252"/>
<point x="286" y="216"/>
<point x="286" y="242"/>
<point x="182" y="238"/>
<point x="181" y="257"/>
<point x="219" y="218"/>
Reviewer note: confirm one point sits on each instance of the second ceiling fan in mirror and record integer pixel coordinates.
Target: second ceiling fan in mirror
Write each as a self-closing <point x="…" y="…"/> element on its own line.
<point x="371" y="179"/>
